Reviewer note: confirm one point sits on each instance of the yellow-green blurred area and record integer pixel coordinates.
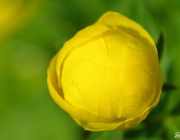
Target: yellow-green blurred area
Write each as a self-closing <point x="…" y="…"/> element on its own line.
<point x="32" y="31"/>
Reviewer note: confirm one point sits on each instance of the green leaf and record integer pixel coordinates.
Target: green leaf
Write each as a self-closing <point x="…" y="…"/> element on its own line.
<point x="175" y="111"/>
<point x="172" y="125"/>
<point x="106" y="135"/>
<point x="168" y="87"/>
<point x="160" y="45"/>
<point x="144" y="131"/>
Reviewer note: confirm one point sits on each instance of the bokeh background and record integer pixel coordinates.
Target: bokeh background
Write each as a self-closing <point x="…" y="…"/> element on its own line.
<point x="32" y="31"/>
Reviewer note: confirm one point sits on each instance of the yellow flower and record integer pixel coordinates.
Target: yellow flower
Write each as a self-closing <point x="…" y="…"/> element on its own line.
<point x="107" y="77"/>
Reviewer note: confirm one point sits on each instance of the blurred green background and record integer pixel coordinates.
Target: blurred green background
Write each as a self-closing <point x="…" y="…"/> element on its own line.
<point x="32" y="31"/>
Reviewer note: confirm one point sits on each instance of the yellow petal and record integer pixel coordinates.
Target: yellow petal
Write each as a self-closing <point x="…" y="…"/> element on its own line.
<point x="107" y="76"/>
<point x="58" y="97"/>
<point x="121" y="124"/>
<point x="117" y="20"/>
<point x="82" y="37"/>
<point x="140" y="74"/>
<point x="89" y="81"/>
<point x="131" y="103"/>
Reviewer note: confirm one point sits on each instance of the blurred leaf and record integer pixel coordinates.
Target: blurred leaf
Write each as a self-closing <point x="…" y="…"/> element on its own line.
<point x="175" y="111"/>
<point x="106" y="135"/>
<point x="168" y="87"/>
<point x="144" y="131"/>
<point x="135" y="133"/>
<point x="172" y="125"/>
<point x="160" y="45"/>
<point x="18" y="12"/>
<point x="142" y="135"/>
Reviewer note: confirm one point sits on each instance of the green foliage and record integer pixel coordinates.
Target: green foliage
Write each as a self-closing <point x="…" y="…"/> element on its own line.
<point x="106" y="135"/>
<point x="27" y="110"/>
<point x="160" y="45"/>
<point x="168" y="87"/>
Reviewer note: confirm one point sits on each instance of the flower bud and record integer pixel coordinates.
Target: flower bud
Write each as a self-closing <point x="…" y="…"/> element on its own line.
<point x="107" y="76"/>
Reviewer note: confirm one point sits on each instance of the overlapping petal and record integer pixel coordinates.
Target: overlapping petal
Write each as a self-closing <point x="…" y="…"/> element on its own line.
<point x="107" y="76"/>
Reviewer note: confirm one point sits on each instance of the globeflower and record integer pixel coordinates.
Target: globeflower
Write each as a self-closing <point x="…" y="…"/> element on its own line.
<point x="107" y="76"/>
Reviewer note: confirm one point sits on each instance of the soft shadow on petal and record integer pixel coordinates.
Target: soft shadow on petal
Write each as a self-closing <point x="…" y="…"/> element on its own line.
<point x="119" y="21"/>
<point x="115" y="125"/>
<point x="136" y="34"/>
<point x="159" y="85"/>
<point x="57" y="95"/>
<point x="139" y="77"/>
<point x="87" y="86"/>
<point x="100" y="126"/>
<point x="81" y="38"/>
<point x="52" y="77"/>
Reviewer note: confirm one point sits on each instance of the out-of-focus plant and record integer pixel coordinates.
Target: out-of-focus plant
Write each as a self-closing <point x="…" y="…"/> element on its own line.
<point x="14" y="14"/>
